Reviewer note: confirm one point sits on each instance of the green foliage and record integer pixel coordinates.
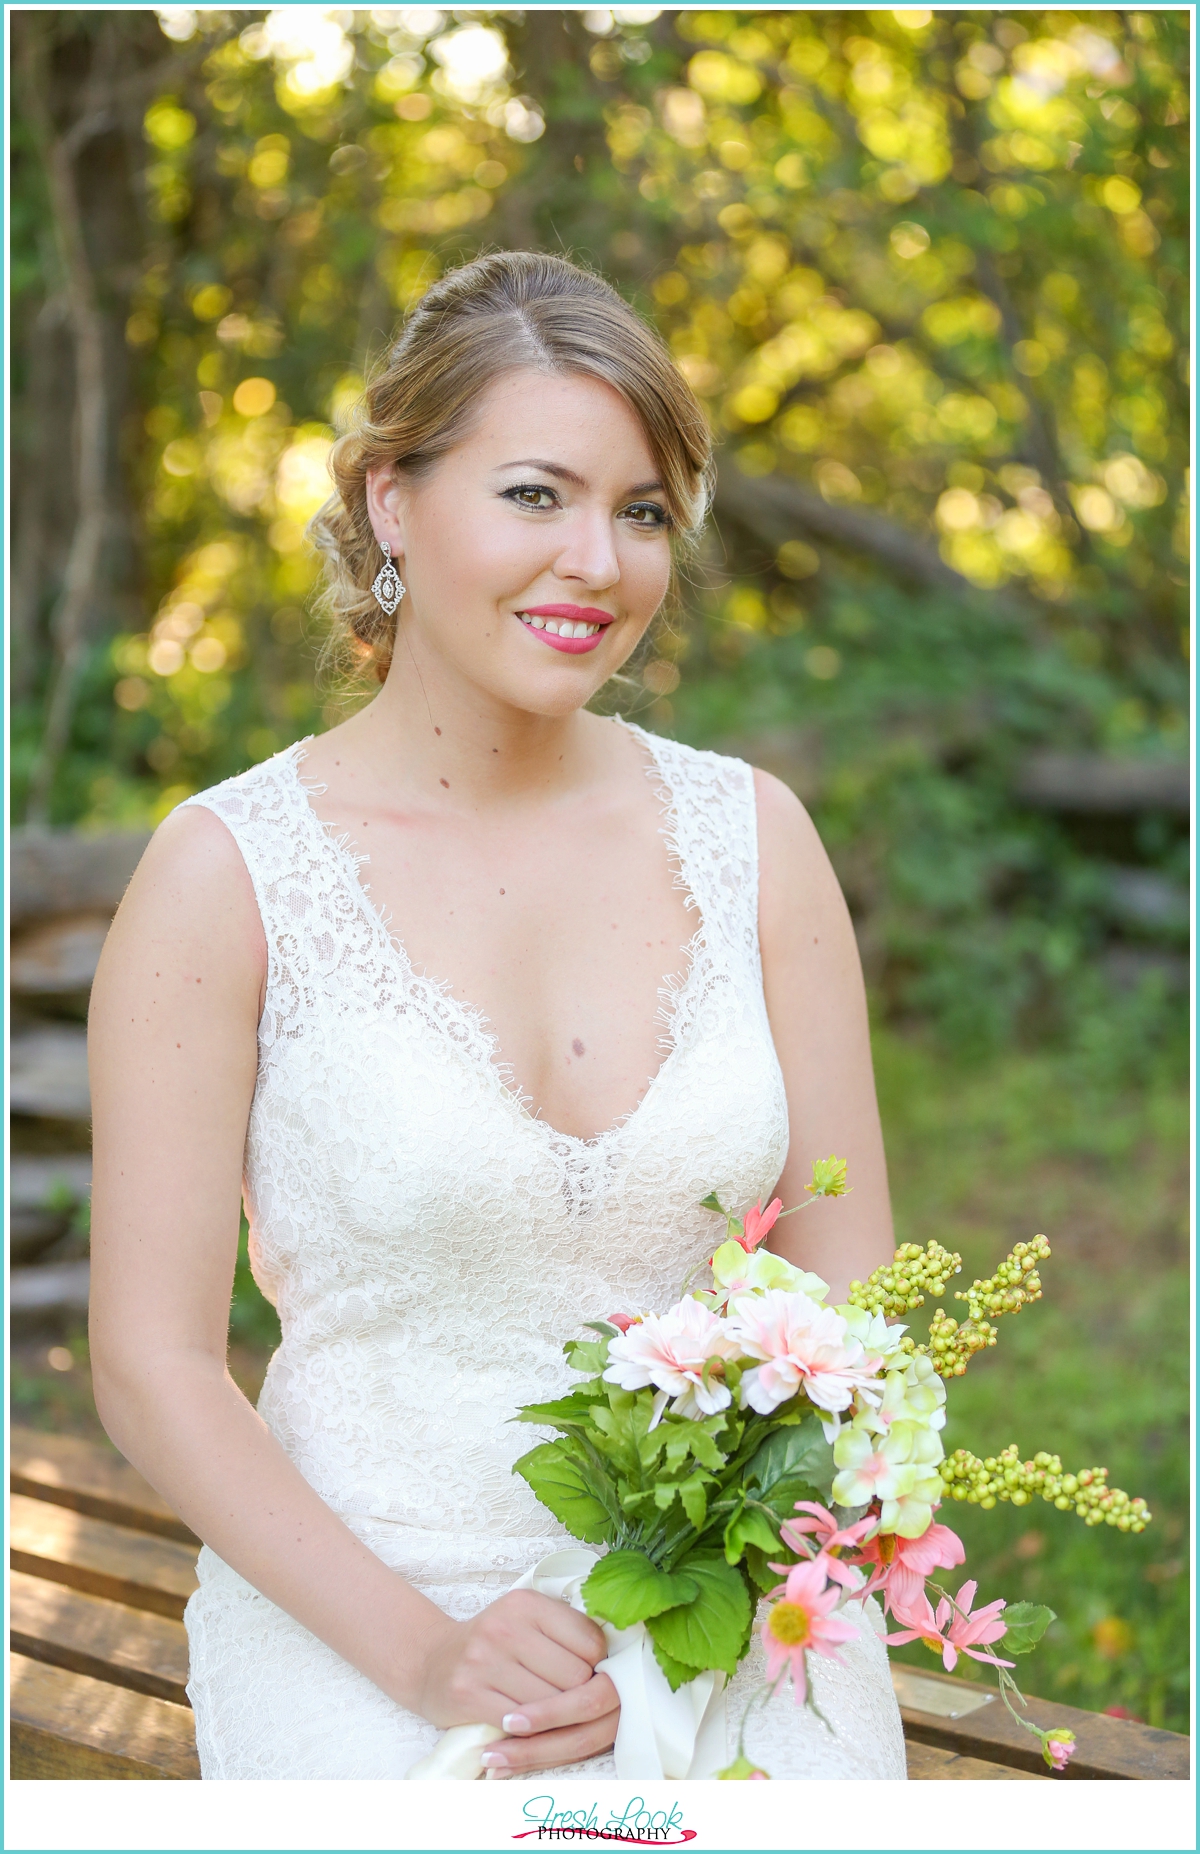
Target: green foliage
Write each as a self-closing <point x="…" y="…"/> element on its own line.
<point x="1024" y="1626"/>
<point x="560" y="1479"/>
<point x="792" y="1464"/>
<point x="625" y="1588"/>
<point x="253" y="1321"/>
<point x="713" y="1629"/>
<point x="930" y="280"/>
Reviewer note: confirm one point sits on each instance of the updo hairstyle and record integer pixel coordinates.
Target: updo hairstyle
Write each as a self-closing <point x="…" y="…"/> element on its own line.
<point x="510" y="310"/>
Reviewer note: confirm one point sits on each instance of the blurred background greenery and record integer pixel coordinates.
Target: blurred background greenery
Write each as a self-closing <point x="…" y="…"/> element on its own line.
<point x="928" y="271"/>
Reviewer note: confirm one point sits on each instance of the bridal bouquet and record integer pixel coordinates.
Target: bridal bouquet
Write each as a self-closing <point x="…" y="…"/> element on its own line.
<point x="751" y="1441"/>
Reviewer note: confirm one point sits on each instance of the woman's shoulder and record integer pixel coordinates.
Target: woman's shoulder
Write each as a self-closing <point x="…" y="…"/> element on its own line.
<point x="222" y="845"/>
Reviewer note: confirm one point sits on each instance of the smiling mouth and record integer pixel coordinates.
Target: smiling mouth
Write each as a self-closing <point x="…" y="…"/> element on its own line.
<point x="565" y="627"/>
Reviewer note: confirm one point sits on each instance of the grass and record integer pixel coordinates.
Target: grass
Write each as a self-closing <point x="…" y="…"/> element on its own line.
<point x="1097" y="1371"/>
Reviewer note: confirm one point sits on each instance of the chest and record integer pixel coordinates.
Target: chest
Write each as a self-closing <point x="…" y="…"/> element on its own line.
<point x="561" y="931"/>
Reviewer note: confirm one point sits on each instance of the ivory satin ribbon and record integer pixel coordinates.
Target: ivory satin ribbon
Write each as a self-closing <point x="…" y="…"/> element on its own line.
<point x="660" y="1734"/>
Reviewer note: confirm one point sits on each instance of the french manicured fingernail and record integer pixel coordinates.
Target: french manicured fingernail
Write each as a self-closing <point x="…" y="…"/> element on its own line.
<point x="516" y="1722"/>
<point x="494" y="1761"/>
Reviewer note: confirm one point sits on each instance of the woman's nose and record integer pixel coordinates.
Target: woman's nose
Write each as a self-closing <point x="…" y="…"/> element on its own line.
<point x="590" y="553"/>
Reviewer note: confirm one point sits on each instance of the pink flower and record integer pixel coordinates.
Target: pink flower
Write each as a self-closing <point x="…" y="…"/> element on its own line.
<point x="902" y="1565"/>
<point x="800" y="1620"/>
<point x="804" y="1346"/>
<point x="967" y="1629"/>
<point x="759" y="1223"/>
<point x="623" y="1321"/>
<point x="825" y="1528"/>
<point x="670" y="1351"/>
<point x="954" y="1628"/>
<point x="1058" y="1747"/>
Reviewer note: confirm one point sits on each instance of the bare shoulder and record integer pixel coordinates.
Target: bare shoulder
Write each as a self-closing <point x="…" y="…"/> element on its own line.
<point x="191" y="902"/>
<point x="796" y="878"/>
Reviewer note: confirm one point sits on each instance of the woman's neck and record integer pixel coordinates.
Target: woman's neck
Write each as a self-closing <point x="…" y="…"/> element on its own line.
<point x="427" y="733"/>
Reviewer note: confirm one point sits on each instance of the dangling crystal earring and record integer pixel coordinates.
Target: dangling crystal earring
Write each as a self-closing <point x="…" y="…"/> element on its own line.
<point x="387" y="585"/>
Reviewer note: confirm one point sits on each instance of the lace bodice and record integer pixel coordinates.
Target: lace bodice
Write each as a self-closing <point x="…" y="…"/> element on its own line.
<point x="428" y="1242"/>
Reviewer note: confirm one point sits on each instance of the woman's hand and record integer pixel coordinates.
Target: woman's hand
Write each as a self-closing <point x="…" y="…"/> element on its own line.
<point x="525" y="1663"/>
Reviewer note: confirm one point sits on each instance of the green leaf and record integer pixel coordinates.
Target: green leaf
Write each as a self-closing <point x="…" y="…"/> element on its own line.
<point x="686" y="1439"/>
<point x="575" y="1409"/>
<point x="711" y="1630"/>
<point x="792" y="1464"/>
<point x="758" y="1567"/>
<point x="603" y="1328"/>
<point x="626" y="1588"/>
<point x="562" y="1483"/>
<point x="713" y="1202"/>
<point x="1024" y="1626"/>
<point x="750" y="1526"/>
<point x="677" y="1672"/>
<point x="587" y="1355"/>
<point x="695" y="1499"/>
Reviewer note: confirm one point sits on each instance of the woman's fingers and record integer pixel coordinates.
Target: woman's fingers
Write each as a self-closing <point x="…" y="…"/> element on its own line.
<point x="535" y="1745"/>
<point x="578" y="1706"/>
<point x="527" y="1654"/>
<point x="529" y="1646"/>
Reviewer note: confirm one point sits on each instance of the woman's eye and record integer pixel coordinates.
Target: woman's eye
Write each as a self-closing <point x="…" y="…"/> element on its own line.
<point x="647" y="515"/>
<point x="530" y="496"/>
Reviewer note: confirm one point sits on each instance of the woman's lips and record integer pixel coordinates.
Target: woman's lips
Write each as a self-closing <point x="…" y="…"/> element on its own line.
<point x="573" y="628"/>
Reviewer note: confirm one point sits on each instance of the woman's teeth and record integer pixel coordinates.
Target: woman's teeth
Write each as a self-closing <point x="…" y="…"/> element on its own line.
<point x="562" y="627"/>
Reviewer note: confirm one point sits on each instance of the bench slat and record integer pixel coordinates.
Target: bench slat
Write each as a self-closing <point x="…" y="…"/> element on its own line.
<point x="67" y="1725"/>
<point x="1105" y="1749"/>
<point x="928" y="1764"/>
<point x="91" y="1635"/>
<point x="103" y="1569"/>
<point x="67" y="1547"/>
<point x="67" y="1471"/>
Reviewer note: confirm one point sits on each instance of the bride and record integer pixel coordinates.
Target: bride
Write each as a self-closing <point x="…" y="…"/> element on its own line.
<point x="475" y="1101"/>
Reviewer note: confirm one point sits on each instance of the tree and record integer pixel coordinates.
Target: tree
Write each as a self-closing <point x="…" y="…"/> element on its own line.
<point x="927" y="270"/>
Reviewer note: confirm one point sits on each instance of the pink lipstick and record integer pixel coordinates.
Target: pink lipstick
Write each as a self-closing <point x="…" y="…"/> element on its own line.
<point x="573" y="628"/>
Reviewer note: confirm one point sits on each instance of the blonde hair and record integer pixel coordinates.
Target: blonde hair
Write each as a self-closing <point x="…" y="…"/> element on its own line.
<point x="509" y="310"/>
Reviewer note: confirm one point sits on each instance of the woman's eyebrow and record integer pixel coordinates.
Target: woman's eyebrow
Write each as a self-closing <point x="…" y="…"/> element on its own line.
<point x="540" y="463"/>
<point x="568" y="476"/>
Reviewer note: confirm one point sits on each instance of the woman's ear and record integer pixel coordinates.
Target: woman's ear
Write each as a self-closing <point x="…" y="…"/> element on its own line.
<point x="386" y="502"/>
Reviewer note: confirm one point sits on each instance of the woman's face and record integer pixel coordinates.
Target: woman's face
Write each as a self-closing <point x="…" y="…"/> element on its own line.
<point x="536" y="551"/>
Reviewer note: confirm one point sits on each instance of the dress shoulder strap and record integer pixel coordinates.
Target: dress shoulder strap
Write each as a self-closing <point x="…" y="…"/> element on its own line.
<point x="712" y="830"/>
<point x="264" y="811"/>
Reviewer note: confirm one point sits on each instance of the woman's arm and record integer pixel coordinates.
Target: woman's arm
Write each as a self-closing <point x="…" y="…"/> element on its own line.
<point x="817" y="1007"/>
<point x="173" y="1060"/>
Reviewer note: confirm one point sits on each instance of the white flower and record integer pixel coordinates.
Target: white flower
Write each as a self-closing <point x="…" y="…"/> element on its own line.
<point x="803" y="1346"/>
<point x="737" y="1271"/>
<point x="873" y="1332"/>
<point x="670" y="1351"/>
<point x="899" y="1468"/>
<point x="908" y="1397"/>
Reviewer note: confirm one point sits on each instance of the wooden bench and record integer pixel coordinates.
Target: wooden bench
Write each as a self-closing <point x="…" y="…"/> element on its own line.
<point x="101" y="1570"/>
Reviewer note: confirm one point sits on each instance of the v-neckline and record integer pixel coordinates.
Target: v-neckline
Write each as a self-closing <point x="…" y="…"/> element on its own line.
<point x="469" y="1016"/>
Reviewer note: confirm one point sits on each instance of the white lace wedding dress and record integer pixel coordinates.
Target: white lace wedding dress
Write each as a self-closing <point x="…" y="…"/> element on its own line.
<point x="429" y="1244"/>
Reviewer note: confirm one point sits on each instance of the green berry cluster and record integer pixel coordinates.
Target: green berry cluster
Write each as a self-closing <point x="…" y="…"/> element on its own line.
<point x="951" y="1347"/>
<point x="902" y="1284"/>
<point x="1007" y="1477"/>
<point x="1015" y="1283"/>
<point x="953" y="1344"/>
